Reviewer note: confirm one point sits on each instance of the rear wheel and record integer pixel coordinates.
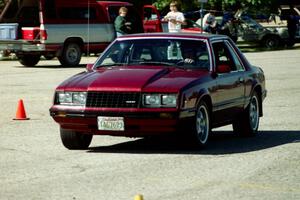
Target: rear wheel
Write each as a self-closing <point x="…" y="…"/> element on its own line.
<point x="74" y="140"/>
<point x="247" y="124"/>
<point x="271" y="42"/>
<point x="29" y="60"/>
<point x="202" y="124"/>
<point x="71" y="55"/>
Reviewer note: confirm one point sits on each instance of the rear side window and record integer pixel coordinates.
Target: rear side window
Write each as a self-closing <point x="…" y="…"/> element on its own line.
<point x="29" y="16"/>
<point x="113" y="12"/>
<point x="77" y="13"/>
<point x="50" y="9"/>
<point x="225" y="55"/>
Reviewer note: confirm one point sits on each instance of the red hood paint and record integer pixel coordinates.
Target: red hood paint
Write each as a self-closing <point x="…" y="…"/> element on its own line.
<point x="133" y="79"/>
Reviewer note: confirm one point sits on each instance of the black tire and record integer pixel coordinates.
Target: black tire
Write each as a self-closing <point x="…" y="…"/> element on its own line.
<point x="74" y="140"/>
<point x="290" y="44"/>
<point x="201" y="125"/>
<point x="71" y="55"/>
<point x="49" y="57"/>
<point x="247" y="124"/>
<point x="271" y="42"/>
<point x="29" y="60"/>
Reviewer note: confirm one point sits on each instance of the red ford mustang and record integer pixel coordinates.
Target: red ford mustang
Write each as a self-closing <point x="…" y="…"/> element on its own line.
<point x="149" y="84"/>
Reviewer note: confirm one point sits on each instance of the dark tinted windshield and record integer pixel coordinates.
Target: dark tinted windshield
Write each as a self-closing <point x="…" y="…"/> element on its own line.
<point x="169" y="52"/>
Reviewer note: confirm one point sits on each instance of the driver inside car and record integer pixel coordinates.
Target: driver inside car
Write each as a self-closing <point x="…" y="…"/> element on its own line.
<point x="188" y="56"/>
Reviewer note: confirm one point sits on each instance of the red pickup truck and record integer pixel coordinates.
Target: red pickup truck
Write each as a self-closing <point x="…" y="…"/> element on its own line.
<point x="66" y="29"/>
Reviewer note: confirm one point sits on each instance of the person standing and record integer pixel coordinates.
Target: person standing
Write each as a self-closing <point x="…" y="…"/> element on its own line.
<point x="209" y="22"/>
<point x="122" y="26"/>
<point x="174" y="18"/>
<point x="292" y="27"/>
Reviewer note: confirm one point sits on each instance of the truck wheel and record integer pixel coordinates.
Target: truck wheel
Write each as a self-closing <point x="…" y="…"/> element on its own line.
<point x="247" y="124"/>
<point x="71" y="55"/>
<point x="29" y="60"/>
<point x="74" y="140"/>
<point x="271" y="42"/>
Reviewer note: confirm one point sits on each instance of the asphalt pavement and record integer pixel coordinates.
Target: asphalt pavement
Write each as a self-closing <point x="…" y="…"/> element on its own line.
<point x="35" y="165"/>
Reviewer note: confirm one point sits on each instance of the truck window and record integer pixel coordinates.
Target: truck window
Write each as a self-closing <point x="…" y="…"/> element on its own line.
<point x="79" y="13"/>
<point x="113" y="12"/>
<point x="29" y="16"/>
<point x="50" y="11"/>
<point x="132" y="15"/>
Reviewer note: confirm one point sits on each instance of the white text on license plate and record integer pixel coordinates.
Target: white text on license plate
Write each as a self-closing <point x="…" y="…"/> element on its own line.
<point x="111" y="123"/>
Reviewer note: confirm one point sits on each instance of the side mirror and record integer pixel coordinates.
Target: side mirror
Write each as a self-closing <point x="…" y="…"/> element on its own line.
<point x="89" y="67"/>
<point x="223" y="68"/>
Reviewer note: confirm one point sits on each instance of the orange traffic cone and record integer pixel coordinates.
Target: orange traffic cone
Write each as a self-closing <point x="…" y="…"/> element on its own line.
<point x="21" y="114"/>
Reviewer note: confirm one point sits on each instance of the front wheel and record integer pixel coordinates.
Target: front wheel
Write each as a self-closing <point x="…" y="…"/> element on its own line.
<point x="74" y="140"/>
<point x="29" y="60"/>
<point x="247" y="124"/>
<point x="202" y="124"/>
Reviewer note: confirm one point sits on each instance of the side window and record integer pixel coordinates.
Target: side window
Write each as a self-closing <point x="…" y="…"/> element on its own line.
<point x="113" y="12"/>
<point x="29" y="16"/>
<point x="223" y="55"/>
<point x="77" y="13"/>
<point x="236" y="60"/>
<point x="132" y="16"/>
<point x="50" y="9"/>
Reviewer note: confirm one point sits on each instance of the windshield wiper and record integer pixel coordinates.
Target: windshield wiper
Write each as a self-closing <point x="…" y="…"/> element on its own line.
<point x="162" y="63"/>
<point x="112" y="65"/>
<point x="155" y="63"/>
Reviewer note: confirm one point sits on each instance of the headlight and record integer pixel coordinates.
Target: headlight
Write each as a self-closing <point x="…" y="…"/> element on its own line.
<point x="65" y="97"/>
<point x="79" y="98"/>
<point x="72" y="98"/>
<point x="169" y="100"/>
<point x="160" y="100"/>
<point x="152" y="99"/>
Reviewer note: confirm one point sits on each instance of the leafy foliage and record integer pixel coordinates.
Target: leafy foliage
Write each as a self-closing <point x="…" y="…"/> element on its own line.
<point x="252" y="5"/>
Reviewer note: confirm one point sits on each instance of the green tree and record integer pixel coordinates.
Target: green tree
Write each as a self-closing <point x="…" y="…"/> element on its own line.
<point x="253" y="5"/>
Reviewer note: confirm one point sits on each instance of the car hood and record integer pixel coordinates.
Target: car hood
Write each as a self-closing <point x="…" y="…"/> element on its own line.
<point x="133" y="79"/>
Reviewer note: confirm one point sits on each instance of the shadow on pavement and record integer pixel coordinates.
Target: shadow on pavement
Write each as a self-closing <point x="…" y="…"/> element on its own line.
<point x="221" y="142"/>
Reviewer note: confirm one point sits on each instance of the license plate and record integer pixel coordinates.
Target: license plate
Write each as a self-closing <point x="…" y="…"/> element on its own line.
<point x="111" y="123"/>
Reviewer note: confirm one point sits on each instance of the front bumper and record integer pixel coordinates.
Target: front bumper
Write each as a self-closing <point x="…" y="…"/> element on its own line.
<point x="137" y="123"/>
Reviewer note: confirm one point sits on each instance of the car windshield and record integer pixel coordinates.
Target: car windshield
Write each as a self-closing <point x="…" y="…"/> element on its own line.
<point x="180" y="53"/>
<point x="252" y="23"/>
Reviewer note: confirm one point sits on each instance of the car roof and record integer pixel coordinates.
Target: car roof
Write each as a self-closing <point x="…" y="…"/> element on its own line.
<point x="203" y="36"/>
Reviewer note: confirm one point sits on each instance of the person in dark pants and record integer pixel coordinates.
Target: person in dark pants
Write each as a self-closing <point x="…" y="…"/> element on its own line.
<point x="122" y="26"/>
<point x="292" y="27"/>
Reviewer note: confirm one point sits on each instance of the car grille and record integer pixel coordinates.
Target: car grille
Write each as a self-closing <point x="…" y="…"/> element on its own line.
<point x="113" y="99"/>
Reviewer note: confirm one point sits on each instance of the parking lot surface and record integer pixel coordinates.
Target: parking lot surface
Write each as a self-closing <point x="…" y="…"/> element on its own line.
<point x="35" y="165"/>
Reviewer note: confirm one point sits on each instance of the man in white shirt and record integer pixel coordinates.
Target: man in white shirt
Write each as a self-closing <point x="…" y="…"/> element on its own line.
<point x="174" y="18"/>
<point x="209" y="22"/>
